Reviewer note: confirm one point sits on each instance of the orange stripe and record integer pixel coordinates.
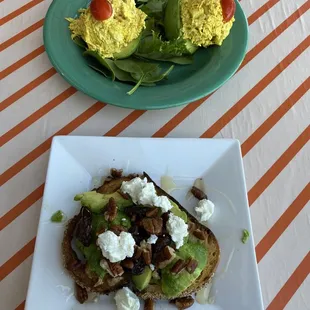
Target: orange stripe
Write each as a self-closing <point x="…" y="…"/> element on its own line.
<point x="17" y="259"/>
<point x="282" y="223"/>
<point x="261" y="11"/>
<point x="36" y="115"/>
<point x="43" y="147"/>
<point x="262" y="130"/>
<point x="292" y="285"/>
<point x="21" y="306"/>
<point x="26" y="89"/>
<point x="256" y="90"/>
<point x="19" y="11"/>
<point x="21" y="35"/>
<point x="123" y="124"/>
<point x="278" y="166"/>
<point x="21" y="62"/>
<point x="190" y="108"/>
<point x="21" y="207"/>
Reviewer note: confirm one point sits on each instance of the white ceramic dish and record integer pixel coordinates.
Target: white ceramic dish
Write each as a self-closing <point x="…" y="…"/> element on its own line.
<point x="76" y="163"/>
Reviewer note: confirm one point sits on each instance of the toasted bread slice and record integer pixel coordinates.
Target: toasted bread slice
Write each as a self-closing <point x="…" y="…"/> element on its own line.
<point x="109" y="284"/>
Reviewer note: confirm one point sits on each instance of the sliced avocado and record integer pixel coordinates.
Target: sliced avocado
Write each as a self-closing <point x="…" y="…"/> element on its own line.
<point x="128" y="50"/>
<point x="142" y="280"/>
<point x="173" y="24"/>
<point x="176" y="211"/>
<point x="122" y="219"/>
<point x="172" y="285"/>
<point x="93" y="256"/>
<point x="96" y="201"/>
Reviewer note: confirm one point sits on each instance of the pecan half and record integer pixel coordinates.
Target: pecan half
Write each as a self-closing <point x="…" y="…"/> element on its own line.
<point x="114" y="269"/>
<point x="153" y="225"/>
<point x="198" y="193"/>
<point x="184" y="302"/>
<point x="116" y="173"/>
<point x="138" y="252"/>
<point x="191" y="265"/>
<point x="191" y="227"/>
<point x="147" y="256"/>
<point x="84" y="226"/>
<point x="168" y="252"/>
<point x="111" y="210"/>
<point x="149" y="304"/>
<point x="125" y="196"/>
<point x="166" y="257"/>
<point x="200" y="234"/>
<point x="80" y="293"/>
<point x="178" y="266"/>
<point x="153" y="212"/>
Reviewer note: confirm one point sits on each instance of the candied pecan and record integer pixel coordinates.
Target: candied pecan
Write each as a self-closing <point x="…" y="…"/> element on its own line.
<point x="116" y="173"/>
<point x="84" y="227"/>
<point x="153" y="225"/>
<point x="191" y="265"/>
<point x="153" y="212"/>
<point x="138" y="252"/>
<point x="117" y="229"/>
<point x="111" y="210"/>
<point x="114" y="269"/>
<point x="198" y="193"/>
<point x="127" y="263"/>
<point x="147" y="256"/>
<point x="125" y="196"/>
<point x="80" y="293"/>
<point x="184" y="302"/>
<point x="164" y="258"/>
<point x="168" y="252"/>
<point x="200" y="234"/>
<point x="178" y="266"/>
<point x="191" y="226"/>
<point x="149" y="304"/>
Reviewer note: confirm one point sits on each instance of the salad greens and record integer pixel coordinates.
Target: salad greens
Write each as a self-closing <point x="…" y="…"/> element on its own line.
<point x="138" y="69"/>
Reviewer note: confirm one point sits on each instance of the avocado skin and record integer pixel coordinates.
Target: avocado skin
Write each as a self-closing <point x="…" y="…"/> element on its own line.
<point x="128" y="50"/>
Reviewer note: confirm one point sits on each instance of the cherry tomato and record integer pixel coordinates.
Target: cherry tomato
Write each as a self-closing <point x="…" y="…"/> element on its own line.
<point x="228" y="8"/>
<point x="101" y="9"/>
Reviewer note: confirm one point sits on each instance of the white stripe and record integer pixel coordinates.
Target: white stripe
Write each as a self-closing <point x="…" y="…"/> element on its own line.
<point x="31" y="102"/>
<point x="20" y="232"/>
<point x="21" y="48"/>
<point x="23" y="21"/>
<point x="24" y="75"/>
<point x="301" y="299"/>
<point x="7" y="7"/>
<point x="271" y="147"/>
<point x="203" y="117"/>
<point x="13" y="288"/>
<point x="284" y="257"/>
<point x="274" y="201"/>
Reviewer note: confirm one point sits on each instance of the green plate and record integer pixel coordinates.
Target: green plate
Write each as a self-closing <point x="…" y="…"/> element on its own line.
<point x="211" y="68"/>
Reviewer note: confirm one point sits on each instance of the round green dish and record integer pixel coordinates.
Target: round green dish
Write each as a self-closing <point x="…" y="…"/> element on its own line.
<point x="211" y="68"/>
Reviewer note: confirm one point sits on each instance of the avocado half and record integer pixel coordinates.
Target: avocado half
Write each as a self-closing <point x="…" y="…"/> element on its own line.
<point x="173" y="24"/>
<point x="128" y="50"/>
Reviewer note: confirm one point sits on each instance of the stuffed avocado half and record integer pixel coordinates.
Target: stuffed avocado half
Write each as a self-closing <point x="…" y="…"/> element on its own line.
<point x="129" y="232"/>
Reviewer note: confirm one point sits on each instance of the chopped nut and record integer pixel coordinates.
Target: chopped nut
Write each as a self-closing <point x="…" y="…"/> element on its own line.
<point x="184" y="302"/>
<point x="178" y="266"/>
<point x="80" y="293"/>
<point x="117" y="229"/>
<point x="147" y="256"/>
<point x="138" y="252"/>
<point x="114" y="269"/>
<point x="198" y="193"/>
<point x="153" y="212"/>
<point x="166" y="257"/>
<point x="191" y="265"/>
<point x="116" y="173"/>
<point x="111" y="210"/>
<point x="199" y="234"/>
<point x="125" y="196"/>
<point x="149" y="304"/>
<point x="191" y="227"/>
<point x="114" y="281"/>
<point x="127" y="263"/>
<point x="153" y="225"/>
<point x="168" y="252"/>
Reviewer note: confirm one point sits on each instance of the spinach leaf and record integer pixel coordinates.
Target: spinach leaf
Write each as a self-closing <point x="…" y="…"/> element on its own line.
<point x="80" y="42"/>
<point x="100" y="70"/>
<point x="101" y="60"/>
<point x="136" y="86"/>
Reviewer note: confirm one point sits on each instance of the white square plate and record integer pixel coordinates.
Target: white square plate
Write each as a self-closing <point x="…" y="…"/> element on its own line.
<point x="76" y="162"/>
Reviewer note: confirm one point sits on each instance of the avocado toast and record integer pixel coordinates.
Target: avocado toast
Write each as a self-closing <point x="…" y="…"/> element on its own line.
<point x="160" y="265"/>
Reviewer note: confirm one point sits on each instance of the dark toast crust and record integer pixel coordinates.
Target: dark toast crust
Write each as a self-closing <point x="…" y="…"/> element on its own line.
<point x="109" y="284"/>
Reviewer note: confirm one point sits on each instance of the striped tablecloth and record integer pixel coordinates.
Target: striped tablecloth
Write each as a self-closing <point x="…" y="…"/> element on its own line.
<point x="266" y="105"/>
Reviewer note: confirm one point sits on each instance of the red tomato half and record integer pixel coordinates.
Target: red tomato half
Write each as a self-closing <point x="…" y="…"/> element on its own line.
<point x="101" y="9"/>
<point x="229" y="9"/>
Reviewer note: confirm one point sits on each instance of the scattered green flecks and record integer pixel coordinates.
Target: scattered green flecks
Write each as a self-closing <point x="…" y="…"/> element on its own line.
<point x="58" y="217"/>
<point x="245" y="236"/>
